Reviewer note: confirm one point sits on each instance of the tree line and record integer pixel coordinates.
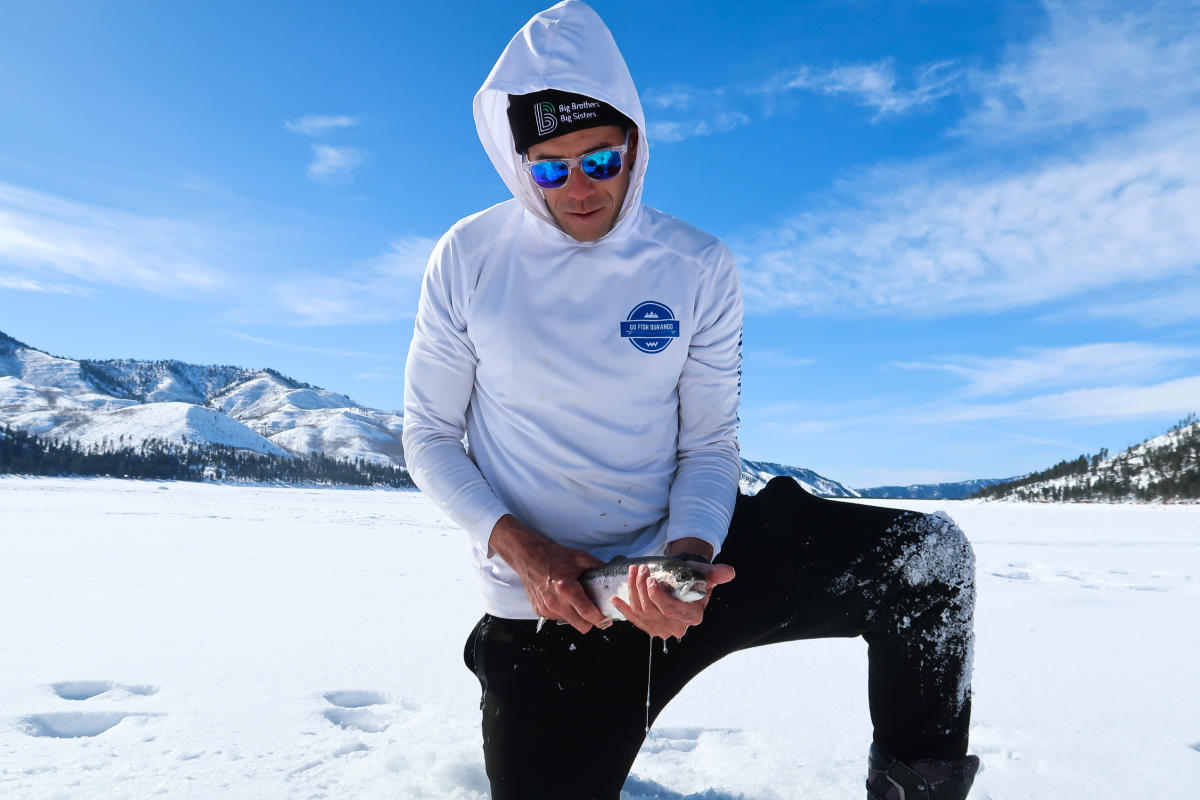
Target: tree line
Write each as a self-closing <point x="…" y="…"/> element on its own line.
<point x="23" y="453"/>
<point x="1170" y="471"/>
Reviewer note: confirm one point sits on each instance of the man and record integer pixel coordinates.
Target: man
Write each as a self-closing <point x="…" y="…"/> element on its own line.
<point x="589" y="348"/>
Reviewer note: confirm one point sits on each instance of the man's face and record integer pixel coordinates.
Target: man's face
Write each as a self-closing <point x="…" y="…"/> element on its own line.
<point x="586" y="209"/>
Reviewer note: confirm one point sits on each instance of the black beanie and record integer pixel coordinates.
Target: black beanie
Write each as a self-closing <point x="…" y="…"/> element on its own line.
<point x="539" y="116"/>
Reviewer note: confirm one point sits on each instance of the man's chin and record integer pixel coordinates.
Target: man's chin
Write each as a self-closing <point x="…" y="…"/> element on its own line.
<point x="584" y="230"/>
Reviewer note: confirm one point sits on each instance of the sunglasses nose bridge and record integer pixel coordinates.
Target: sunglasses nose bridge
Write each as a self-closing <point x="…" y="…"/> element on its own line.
<point x="577" y="182"/>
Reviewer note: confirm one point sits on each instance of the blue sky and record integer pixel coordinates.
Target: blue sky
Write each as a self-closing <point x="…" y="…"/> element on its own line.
<point x="968" y="232"/>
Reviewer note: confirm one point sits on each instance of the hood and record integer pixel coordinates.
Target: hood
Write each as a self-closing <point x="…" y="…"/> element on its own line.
<point x="566" y="47"/>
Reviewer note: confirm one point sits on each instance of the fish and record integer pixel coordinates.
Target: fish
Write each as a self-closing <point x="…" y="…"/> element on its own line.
<point x="685" y="581"/>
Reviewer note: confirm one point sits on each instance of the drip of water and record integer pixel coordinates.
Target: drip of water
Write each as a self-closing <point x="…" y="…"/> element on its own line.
<point x="649" y="665"/>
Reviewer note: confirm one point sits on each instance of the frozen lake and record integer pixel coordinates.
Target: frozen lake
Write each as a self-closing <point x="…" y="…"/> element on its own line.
<point x="205" y="641"/>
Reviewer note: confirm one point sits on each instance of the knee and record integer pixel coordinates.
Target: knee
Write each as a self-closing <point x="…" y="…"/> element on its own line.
<point x="940" y="553"/>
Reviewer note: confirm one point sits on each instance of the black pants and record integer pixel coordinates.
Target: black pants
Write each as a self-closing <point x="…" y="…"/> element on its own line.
<point x="564" y="714"/>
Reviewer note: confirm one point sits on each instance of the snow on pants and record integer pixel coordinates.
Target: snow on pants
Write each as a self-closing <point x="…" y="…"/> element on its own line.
<point x="564" y="713"/>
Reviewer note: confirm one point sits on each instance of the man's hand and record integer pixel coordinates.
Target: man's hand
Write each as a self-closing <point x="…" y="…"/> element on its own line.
<point x="654" y="609"/>
<point x="550" y="574"/>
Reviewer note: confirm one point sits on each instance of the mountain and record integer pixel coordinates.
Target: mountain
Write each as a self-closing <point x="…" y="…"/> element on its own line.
<point x="933" y="491"/>
<point x="755" y="475"/>
<point x="1164" y="468"/>
<point x="116" y="402"/>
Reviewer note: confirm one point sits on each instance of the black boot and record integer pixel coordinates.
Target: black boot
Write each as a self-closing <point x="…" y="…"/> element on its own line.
<point x="924" y="779"/>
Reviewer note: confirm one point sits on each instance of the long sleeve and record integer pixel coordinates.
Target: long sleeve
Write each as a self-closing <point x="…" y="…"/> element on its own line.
<point x="439" y="377"/>
<point x="705" y="486"/>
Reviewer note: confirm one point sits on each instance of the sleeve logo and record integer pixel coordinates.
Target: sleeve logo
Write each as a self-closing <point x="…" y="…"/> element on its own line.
<point x="650" y="327"/>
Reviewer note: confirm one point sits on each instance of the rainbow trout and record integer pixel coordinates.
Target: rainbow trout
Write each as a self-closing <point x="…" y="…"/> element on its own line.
<point x="686" y="582"/>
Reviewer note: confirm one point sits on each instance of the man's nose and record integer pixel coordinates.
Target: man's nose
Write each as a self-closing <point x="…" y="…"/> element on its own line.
<point x="578" y="184"/>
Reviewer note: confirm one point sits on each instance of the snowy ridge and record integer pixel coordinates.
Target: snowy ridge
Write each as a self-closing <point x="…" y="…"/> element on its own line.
<point x="755" y="475"/>
<point x="110" y="403"/>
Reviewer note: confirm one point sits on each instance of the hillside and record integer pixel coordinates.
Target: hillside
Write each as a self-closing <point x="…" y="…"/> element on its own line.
<point x="125" y="402"/>
<point x="1163" y="469"/>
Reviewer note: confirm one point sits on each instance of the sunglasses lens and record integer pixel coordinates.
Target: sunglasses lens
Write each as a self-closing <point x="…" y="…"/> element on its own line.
<point x="602" y="165"/>
<point x="549" y="174"/>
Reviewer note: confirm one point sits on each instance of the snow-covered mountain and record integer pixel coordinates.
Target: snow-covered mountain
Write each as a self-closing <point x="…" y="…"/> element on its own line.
<point x="1166" y="467"/>
<point x="114" y="402"/>
<point x="933" y="491"/>
<point x="755" y="475"/>
<point x="118" y="402"/>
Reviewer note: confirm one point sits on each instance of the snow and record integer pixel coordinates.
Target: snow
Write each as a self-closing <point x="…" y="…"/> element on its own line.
<point x="196" y="641"/>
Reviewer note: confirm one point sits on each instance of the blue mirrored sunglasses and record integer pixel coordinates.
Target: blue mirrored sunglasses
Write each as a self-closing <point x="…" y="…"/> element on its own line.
<point x="599" y="165"/>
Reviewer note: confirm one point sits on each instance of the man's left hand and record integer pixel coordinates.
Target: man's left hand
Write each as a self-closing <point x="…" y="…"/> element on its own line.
<point x="653" y="607"/>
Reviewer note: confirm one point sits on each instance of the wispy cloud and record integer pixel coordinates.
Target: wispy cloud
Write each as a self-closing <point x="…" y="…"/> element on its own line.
<point x="317" y="125"/>
<point x="1165" y="305"/>
<point x="931" y="241"/>
<point x="382" y="289"/>
<point x="45" y="234"/>
<point x="1096" y="63"/>
<point x="1105" y="403"/>
<point x="721" y="122"/>
<point x="19" y="284"/>
<point x="1044" y="368"/>
<point x="321" y="351"/>
<point x="333" y="164"/>
<point x="874" y="85"/>
<point x="981" y="230"/>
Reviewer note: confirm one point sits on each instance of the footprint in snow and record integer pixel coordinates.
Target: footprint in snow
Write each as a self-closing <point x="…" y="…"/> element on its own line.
<point x="86" y="690"/>
<point x="71" y="724"/>
<point x="351" y="710"/>
<point x="680" y="739"/>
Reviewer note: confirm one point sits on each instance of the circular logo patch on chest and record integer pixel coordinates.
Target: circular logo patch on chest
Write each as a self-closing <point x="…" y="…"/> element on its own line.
<point x="650" y="327"/>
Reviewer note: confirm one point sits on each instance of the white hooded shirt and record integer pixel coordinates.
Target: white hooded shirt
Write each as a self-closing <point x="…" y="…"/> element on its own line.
<point x="596" y="383"/>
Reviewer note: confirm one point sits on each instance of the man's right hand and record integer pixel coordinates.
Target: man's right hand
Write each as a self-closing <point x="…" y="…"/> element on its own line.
<point x="550" y="574"/>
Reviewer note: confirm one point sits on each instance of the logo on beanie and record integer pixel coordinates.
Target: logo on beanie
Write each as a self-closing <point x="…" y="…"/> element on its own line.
<point x="544" y="116"/>
<point x="650" y="327"/>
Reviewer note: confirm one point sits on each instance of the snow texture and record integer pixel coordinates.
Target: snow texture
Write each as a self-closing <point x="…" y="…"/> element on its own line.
<point x="198" y="641"/>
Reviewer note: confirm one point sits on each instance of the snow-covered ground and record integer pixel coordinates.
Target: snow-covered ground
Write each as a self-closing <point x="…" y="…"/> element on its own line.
<point x="203" y="641"/>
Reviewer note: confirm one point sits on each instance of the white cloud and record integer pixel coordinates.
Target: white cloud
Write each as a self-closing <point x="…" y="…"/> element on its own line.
<point x="1164" y="306"/>
<point x="42" y="233"/>
<point x="1115" y="208"/>
<point x="321" y="351"/>
<point x="19" y="284"/>
<point x="331" y="164"/>
<point x="875" y="85"/>
<point x="1180" y="396"/>
<point x="1045" y="368"/>
<point x="316" y="125"/>
<point x="932" y="240"/>
<point x="720" y="122"/>
<point x="1095" y="63"/>
<point x="380" y="290"/>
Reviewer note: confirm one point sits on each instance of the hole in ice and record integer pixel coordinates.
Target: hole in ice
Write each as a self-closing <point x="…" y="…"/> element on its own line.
<point x="640" y="789"/>
<point x="81" y="690"/>
<point x="71" y="724"/>
<point x="355" y="698"/>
